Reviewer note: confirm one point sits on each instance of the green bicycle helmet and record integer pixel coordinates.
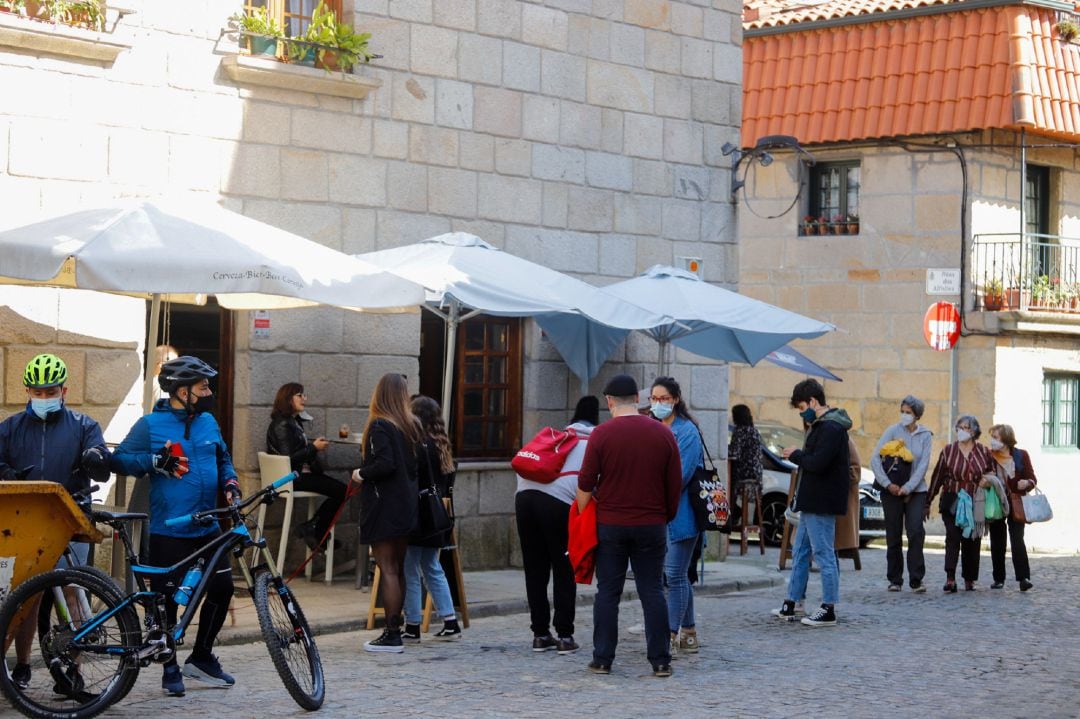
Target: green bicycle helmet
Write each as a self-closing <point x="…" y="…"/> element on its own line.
<point x="45" y="370"/>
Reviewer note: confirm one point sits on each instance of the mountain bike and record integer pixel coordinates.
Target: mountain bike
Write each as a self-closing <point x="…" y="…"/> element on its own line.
<point x="91" y="643"/>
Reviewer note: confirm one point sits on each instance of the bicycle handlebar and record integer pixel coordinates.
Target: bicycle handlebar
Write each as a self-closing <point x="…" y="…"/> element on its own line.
<point x="207" y="514"/>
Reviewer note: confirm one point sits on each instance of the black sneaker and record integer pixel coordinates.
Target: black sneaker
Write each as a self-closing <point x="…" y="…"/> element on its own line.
<point x="661" y="670"/>
<point x="208" y="671"/>
<point x="172" y="681"/>
<point x="20" y="676"/>
<point x="389" y="641"/>
<point x="599" y="667"/>
<point x="785" y="612"/>
<point x="451" y="631"/>
<point x="411" y="635"/>
<point x="825" y="616"/>
<point x="919" y="588"/>
<point x="542" y="644"/>
<point x="1025" y="584"/>
<point x="566" y="645"/>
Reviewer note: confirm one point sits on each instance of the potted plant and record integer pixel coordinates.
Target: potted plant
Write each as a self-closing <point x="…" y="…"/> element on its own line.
<point x="838" y="225"/>
<point x="852" y="224"/>
<point x="1067" y="30"/>
<point x="337" y="46"/>
<point x="1042" y="292"/>
<point x="823" y="225"/>
<point x="16" y="6"/>
<point x="89" y="14"/>
<point x="993" y="296"/>
<point x="261" y="30"/>
<point x="809" y="225"/>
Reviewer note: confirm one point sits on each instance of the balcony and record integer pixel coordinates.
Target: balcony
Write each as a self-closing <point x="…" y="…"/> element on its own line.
<point x="1032" y="282"/>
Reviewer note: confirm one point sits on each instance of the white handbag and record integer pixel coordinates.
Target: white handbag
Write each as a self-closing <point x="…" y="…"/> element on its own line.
<point x="1037" y="507"/>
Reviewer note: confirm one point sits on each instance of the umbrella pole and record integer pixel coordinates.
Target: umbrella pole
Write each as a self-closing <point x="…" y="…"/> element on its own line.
<point x="662" y="344"/>
<point x="448" y="360"/>
<point x="151" y="341"/>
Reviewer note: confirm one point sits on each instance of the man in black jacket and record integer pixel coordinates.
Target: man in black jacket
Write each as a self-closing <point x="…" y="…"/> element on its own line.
<point x="821" y="497"/>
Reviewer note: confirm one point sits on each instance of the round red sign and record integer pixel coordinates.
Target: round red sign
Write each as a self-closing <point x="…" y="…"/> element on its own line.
<point x="941" y="326"/>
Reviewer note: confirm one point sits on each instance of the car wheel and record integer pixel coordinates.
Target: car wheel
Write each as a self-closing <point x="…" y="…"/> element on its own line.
<point x="772" y="516"/>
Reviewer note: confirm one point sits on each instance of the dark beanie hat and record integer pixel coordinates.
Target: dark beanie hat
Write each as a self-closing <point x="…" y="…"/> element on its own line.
<point x="621" y="385"/>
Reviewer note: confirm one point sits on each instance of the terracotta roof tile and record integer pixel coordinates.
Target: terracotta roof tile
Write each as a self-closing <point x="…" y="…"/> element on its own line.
<point x="997" y="67"/>
<point x="774" y="13"/>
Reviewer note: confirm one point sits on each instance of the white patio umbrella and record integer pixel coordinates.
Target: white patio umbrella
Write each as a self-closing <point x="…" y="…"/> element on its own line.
<point x="461" y="271"/>
<point x="711" y="321"/>
<point x="177" y="249"/>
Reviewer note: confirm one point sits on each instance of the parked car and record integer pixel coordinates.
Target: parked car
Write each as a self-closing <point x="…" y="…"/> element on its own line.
<point x="776" y="479"/>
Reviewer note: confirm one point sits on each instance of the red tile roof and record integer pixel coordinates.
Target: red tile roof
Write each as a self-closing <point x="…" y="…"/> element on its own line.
<point x="997" y="67"/>
<point x="774" y="13"/>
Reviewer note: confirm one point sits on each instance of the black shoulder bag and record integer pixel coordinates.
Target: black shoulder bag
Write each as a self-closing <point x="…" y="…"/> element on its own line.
<point x="433" y="521"/>
<point x="708" y="495"/>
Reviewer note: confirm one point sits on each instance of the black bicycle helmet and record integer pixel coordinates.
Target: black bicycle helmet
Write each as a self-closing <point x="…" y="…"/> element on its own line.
<point x="183" y="372"/>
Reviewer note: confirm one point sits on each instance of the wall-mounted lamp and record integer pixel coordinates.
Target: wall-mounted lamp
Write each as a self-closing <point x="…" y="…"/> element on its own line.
<point x="760" y="152"/>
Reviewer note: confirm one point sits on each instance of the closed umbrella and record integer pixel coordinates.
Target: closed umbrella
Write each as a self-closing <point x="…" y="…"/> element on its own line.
<point x="464" y="276"/>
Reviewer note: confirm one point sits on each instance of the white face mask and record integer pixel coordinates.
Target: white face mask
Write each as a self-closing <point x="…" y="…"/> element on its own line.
<point x="962" y="435"/>
<point x="906" y="419"/>
<point x="996" y="444"/>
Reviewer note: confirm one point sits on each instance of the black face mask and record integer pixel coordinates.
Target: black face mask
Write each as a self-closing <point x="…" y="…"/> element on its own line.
<point x="201" y="404"/>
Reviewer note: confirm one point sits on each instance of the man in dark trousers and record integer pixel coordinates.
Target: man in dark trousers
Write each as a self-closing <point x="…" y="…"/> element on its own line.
<point x="633" y="472"/>
<point x="821" y="497"/>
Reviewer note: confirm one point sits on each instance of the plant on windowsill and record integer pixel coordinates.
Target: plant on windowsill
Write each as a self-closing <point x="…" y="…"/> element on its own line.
<point x="1043" y="293"/>
<point x="1067" y="30"/>
<point x="262" y="31"/>
<point x="87" y="14"/>
<point x="838" y="225"/>
<point x="14" y="6"/>
<point x="993" y="296"/>
<point x="852" y="224"/>
<point x="336" y="45"/>
<point x="809" y="225"/>
<point x="823" y="225"/>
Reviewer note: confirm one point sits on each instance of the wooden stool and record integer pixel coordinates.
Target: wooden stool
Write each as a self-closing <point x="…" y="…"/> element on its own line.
<point x="751" y="491"/>
<point x="453" y="577"/>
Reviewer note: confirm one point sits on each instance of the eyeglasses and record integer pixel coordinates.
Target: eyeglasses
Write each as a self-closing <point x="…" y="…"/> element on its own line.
<point x="301" y="395"/>
<point x="666" y="399"/>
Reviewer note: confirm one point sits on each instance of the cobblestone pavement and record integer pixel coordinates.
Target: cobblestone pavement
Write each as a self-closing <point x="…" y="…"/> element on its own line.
<point x="990" y="653"/>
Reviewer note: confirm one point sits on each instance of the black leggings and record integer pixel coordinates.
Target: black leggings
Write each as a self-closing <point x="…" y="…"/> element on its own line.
<point x="165" y="551"/>
<point x="390" y="556"/>
<point x="332" y="489"/>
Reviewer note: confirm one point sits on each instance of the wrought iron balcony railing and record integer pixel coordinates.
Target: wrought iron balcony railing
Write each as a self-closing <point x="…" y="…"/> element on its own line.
<point x="1013" y="271"/>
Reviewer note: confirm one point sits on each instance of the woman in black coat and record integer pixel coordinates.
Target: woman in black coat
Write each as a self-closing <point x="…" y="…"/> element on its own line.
<point x="286" y="436"/>
<point x="388" y="496"/>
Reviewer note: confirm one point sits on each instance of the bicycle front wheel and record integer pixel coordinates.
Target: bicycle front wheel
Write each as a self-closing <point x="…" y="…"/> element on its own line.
<point x="289" y="641"/>
<point x="74" y="674"/>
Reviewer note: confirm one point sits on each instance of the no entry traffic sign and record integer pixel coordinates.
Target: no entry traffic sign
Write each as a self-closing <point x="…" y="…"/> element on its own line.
<point x="941" y="326"/>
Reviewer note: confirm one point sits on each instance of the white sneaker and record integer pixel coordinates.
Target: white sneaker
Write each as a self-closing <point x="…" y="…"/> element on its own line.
<point x="636" y="629"/>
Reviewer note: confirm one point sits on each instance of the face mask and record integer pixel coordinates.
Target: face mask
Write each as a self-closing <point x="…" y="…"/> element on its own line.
<point x="661" y="410"/>
<point x="996" y="444"/>
<point x="42" y="407"/>
<point x="205" y="404"/>
<point x="906" y="419"/>
<point x="962" y="435"/>
<point x="808" y="415"/>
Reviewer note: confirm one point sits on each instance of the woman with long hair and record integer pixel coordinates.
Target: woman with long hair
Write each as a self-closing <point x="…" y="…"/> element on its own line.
<point x="388" y="495"/>
<point x="286" y="436"/>
<point x="422" y="557"/>
<point x="668" y="406"/>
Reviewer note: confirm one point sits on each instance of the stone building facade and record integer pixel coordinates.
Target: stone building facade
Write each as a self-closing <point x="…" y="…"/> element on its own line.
<point x="582" y="134"/>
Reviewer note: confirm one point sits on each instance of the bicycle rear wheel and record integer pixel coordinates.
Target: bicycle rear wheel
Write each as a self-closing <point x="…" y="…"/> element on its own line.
<point x="289" y="641"/>
<point x="69" y="680"/>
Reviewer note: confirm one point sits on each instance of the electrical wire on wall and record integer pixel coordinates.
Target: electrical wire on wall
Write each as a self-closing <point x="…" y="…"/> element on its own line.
<point x="752" y="211"/>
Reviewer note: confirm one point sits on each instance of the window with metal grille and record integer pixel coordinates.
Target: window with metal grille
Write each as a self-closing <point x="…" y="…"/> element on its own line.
<point x="1059" y="405"/>
<point x="833" y="206"/>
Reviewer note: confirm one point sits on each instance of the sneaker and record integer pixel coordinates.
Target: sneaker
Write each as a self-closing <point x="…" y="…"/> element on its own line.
<point x="636" y="629"/>
<point x="20" y="676"/>
<point x="1025" y="584"/>
<point x="450" y="631"/>
<point x="566" y="645"/>
<point x="894" y="587"/>
<point x="661" y="670"/>
<point x="787" y="612"/>
<point x="69" y="683"/>
<point x="918" y="588"/>
<point x="673" y="645"/>
<point x="172" y="681"/>
<point x="997" y="585"/>
<point x="542" y="644"/>
<point x="207" y="671"/>
<point x="599" y="667"/>
<point x="411" y="635"/>
<point x="389" y="641"/>
<point x="688" y="643"/>
<point x="823" y="617"/>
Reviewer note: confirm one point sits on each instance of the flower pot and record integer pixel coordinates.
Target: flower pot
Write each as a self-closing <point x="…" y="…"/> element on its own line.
<point x="1012" y="298"/>
<point x="993" y="303"/>
<point x="823" y="228"/>
<point x="853" y="228"/>
<point x="33" y="8"/>
<point x="839" y="228"/>
<point x="308" y="58"/>
<point x="808" y="228"/>
<point x="328" y="61"/>
<point x="265" y="46"/>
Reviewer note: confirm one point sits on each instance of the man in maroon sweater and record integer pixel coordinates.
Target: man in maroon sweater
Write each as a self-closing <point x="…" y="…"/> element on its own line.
<point x="632" y="470"/>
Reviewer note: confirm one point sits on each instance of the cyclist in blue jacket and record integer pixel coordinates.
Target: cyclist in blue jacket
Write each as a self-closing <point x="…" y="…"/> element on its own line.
<point x="181" y="482"/>
<point x="50" y="442"/>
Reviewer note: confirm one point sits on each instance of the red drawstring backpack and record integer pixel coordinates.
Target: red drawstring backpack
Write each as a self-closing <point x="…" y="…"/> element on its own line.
<point x="542" y="459"/>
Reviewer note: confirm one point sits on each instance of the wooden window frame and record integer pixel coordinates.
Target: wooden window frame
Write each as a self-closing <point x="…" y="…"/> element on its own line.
<point x="512" y="385"/>
<point x="277" y="11"/>
<point x="1052" y="406"/>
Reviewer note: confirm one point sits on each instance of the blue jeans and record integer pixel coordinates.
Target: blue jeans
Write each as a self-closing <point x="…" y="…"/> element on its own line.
<point x="644" y="547"/>
<point x="426" y="560"/>
<point x="680" y="595"/>
<point x="815" y="536"/>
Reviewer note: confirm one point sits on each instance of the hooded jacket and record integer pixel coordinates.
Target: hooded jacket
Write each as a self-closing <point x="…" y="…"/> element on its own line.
<point x="918" y="442"/>
<point x="209" y="463"/>
<point x="823" y="464"/>
<point x="52" y="446"/>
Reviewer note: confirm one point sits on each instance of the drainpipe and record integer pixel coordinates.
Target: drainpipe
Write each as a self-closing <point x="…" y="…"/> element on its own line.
<point x="1023" y="209"/>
